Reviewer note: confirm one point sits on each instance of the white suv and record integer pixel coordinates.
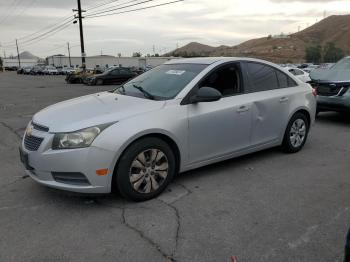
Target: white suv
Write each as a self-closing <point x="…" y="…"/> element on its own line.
<point x="176" y="117"/>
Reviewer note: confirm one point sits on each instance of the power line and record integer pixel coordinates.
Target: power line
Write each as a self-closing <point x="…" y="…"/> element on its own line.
<point x="43" y="36"/>
<point x="49" y="27"/>
<point x="101" y="4"/>
<point x="47" y="34"/>
<point x="108" y="8"/>
<point x="137" y="9"/>
<point x="123" y="7"/>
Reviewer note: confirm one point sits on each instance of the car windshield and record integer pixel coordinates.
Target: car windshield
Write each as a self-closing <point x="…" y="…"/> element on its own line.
<point x="163" y="82"/>
<point x="343" y="64"/>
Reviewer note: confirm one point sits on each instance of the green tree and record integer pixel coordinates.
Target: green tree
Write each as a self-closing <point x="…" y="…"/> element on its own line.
<point x="313" y="54"/>
<point x="332" y="54"/>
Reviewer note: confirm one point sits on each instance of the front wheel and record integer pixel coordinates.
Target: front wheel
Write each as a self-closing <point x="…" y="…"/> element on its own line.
<point x="296" y="133"/>
<point x="145" y="169"/>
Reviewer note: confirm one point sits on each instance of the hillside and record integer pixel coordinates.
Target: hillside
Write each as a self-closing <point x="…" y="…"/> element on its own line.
<point x="334" y="29"/>
<point x="27" y="55"/>
<point x="194" y="48"/>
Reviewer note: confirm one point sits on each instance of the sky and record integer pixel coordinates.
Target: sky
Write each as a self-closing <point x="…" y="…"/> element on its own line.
<point x="155" y="30"/>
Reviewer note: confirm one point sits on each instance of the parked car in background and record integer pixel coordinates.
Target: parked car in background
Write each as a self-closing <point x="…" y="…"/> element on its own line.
<point x="59" y="70"/>
<point x="11" y="68"/>
<point x="333" y="87"/>
<point x="302" y="75"/>
<point x="179" y="116"/>
<point x="79" y="76"/>
<point x="310" y="68"/>
<point x="115" y="75"/>
<point x="326" y="66"/>
<point x="37" y="70"/>
<point x="27" y="70"/>
<point x="68" y="70"/>
<point x="20" y="70"/>
<point x="50" y="70"/>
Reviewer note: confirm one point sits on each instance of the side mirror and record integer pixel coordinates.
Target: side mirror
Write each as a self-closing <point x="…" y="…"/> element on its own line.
<point x="206" y="94"/>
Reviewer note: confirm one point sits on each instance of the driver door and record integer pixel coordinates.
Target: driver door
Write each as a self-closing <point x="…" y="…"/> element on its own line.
<point x="217" y="129"/>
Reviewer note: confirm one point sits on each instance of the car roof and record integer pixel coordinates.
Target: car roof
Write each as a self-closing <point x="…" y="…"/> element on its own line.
<point x="211" y="60"/>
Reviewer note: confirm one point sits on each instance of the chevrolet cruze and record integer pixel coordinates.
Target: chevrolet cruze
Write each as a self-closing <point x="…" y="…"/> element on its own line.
<point x="179" y="116"/>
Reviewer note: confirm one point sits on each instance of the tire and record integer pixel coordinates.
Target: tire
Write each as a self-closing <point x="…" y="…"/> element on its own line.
<point x="148" y="183"/>
<point x="296" y="133"/>
<point x="99" y="82"/>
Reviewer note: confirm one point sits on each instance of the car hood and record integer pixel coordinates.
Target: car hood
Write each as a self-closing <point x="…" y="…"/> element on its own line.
<point x="329" y="75"/>
<point x="92" y="110"/>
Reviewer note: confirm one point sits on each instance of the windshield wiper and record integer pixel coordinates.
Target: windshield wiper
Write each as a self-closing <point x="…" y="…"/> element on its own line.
<point x="144" y="92"/>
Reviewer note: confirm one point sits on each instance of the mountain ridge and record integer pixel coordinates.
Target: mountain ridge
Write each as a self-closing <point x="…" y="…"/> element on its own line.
<point x="281" y="49"/>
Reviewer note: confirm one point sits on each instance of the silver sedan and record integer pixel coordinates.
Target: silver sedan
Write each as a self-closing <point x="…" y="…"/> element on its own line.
<point x="176" y="117"/>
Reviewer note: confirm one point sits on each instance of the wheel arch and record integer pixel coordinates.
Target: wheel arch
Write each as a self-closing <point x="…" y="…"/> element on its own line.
<point x="165" y="137"/>
<point x="302" y="110"/>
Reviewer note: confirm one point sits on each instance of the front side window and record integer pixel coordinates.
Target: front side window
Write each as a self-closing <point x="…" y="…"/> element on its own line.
<point x="226" y="79"/>
<point x="163" y="82"/>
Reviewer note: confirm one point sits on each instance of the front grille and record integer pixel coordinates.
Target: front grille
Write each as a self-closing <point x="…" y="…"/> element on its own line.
<point x="32" y="143"/>
<point x="40" y="127"/>
<point x="328" y="90"/>
<point x="71" y="178"/>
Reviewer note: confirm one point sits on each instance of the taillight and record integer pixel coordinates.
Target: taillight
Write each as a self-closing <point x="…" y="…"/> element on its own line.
<point x="314" y="92"/>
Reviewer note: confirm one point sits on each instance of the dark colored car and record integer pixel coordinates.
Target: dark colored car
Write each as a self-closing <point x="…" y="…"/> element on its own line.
<point x="333" y="87"/>
<point x="20" y="70"/>
<point x="37" y="70"/>
<point x="115" y="75"/>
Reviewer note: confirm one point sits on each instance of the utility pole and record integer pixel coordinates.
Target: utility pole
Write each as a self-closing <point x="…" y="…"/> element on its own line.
<point x="70" y="62"/>
<point x="19" y="59"/>
<point x="80" y="18"/>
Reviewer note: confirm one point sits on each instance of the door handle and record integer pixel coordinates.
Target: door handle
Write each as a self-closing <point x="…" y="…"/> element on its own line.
<point x="242" y="109"/>
<point x="284" y="99"/>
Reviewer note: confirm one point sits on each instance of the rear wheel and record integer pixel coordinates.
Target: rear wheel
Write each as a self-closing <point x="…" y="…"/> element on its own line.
<point x="296" y="133"/>
<point x="145" y="169"/>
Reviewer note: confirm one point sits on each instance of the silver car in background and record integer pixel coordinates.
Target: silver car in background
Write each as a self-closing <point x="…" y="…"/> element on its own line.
<point x="176" y="117"/>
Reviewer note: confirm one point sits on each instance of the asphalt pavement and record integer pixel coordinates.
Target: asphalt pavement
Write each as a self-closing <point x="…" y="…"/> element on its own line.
<point x="267" y="206"/>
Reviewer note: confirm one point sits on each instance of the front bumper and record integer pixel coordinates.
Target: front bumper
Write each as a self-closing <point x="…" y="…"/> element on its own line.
<point x="333" y="103"/>
<point x="41" y="165"/>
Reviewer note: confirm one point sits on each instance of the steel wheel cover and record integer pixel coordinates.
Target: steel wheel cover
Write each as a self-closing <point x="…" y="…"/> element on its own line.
<point x="297" y="133"/>
<point x="148" y="171"/>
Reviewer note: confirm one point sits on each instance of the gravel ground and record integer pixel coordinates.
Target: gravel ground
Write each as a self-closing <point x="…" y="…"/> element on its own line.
<point x="268" y="206"/>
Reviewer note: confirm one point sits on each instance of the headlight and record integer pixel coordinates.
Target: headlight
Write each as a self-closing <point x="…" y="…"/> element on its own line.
<point x="78" y="139"/>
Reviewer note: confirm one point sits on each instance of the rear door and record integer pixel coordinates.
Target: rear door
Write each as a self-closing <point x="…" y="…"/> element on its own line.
<point x="271" y="97"/>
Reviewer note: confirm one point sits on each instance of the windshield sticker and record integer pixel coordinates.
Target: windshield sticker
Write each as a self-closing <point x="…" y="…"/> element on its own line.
<point x="175" y="72"/>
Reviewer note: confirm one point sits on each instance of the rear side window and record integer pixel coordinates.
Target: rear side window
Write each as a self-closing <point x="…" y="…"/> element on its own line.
<point x="261" y="77"/>
<point x="284" y="80"/>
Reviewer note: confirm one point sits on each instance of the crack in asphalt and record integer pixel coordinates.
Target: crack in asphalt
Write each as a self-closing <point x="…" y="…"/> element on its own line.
<point x="11" y="129"/>
<point x="147" y="239"/>
<point x="178" y="226"/>
<point x="178" y="218"/>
